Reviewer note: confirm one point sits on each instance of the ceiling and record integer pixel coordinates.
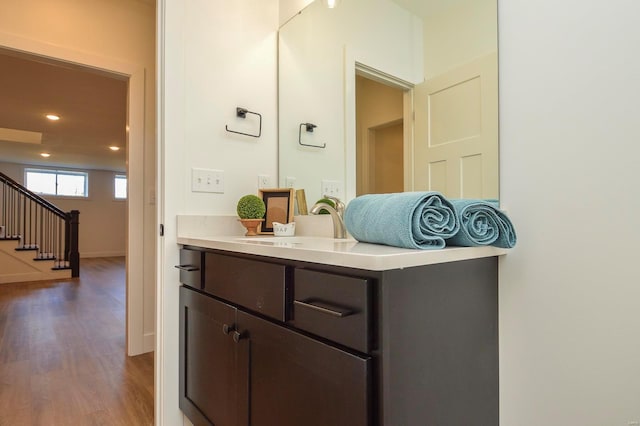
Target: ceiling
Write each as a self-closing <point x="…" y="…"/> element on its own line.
<point x="92" y="106"/>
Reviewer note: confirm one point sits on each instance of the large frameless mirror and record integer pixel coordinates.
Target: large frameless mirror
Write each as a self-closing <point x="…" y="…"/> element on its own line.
<point x="385" y="96"/>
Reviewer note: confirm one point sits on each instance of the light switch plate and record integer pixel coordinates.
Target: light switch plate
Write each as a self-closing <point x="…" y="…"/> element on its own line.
<point x="207" y="180"/>
<point x="264" y="181"/>
<point x="331" y="187"/>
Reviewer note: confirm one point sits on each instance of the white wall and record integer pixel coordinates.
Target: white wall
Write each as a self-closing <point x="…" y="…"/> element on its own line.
<point x="569" y="291"/>
<point x="288" y="8"/>
<point x="458" y="35"/>
<point x="569" y="322"/>
<point x="115" y="35"/>
<point x="214" y="56"/>
<point x="317" y="54"/>
<point x="103" y="219"/>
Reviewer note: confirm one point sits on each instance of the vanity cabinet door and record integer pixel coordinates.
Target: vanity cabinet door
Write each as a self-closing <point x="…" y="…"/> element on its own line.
<point x="208" y="385"/>
<point x="295" y="380"/>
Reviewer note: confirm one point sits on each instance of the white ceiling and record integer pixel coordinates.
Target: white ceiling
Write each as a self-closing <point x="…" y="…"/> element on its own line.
<point x="92" y="106"/>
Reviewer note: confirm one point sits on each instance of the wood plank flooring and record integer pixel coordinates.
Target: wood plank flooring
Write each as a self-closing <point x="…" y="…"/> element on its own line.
<point x="62" y="352"/>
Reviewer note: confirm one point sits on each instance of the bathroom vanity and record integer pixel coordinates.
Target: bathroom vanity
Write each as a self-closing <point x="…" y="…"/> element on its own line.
<point x="317" y="331"/>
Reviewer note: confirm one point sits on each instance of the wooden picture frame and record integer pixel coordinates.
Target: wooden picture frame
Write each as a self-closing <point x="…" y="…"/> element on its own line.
<point x="279" y="204"/>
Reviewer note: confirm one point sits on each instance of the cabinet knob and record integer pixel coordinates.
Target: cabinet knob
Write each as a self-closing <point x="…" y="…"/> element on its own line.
<point x="227" y="329"/>
<point x="237" y="336"/>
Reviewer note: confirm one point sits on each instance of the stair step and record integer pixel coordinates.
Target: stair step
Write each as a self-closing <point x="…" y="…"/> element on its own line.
<point x="45" y="258"/>
<point x="60" y="268"/>
<point x="10" y="239"/>
<point x="26" y="248"/>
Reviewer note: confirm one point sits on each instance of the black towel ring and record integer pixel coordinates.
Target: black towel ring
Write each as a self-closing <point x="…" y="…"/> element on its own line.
<point x="242" y="113"/>
<point x="309" y="128"/>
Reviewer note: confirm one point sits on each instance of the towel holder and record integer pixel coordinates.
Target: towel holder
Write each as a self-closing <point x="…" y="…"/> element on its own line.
<point x="309" y="128"/>
<point x="242" y="113"/>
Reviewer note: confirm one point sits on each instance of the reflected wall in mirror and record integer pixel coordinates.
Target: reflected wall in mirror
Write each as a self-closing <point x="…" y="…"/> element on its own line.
<point x="439" y="58"/>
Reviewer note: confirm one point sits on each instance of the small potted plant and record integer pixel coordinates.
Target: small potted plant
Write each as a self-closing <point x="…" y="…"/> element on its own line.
<point x="251" y="210"/>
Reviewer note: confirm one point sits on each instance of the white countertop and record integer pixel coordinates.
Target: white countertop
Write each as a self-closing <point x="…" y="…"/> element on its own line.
<point x="330" y="251"/>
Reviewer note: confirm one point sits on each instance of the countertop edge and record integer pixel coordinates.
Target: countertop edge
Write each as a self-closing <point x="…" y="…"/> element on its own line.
<point x="381" y="258"/>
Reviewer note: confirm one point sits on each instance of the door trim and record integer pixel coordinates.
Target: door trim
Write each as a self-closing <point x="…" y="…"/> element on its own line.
<point x="353" y="66"/>
<point x="135" y="73"/>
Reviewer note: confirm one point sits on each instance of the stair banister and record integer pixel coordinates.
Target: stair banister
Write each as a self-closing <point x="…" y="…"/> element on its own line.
<point x="40" y="225"/>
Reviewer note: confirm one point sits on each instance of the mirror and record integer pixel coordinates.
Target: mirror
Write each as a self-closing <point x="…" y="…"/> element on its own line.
<point x="440" y="56"/>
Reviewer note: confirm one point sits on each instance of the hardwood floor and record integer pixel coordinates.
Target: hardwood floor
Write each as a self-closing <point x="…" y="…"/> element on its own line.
<point x="62" y="352"/>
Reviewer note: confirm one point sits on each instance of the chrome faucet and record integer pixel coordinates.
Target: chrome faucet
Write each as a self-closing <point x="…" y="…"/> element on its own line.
<point x="339" y="230"/>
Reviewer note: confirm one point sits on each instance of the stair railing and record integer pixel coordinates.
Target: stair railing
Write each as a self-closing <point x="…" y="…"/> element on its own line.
<point x="39" y="225"/>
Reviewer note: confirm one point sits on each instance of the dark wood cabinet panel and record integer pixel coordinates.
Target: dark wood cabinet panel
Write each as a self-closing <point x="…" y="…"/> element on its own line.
<point x="333" y="306"/>
<point x="296" y="380"/>
<point x="255" y="285"/>
<point x="191" y="267"/>
<point x="441" y="344"/>
<point x="208" y="391"/>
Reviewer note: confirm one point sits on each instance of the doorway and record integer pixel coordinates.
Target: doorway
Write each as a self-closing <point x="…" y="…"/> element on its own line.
<point x="380" y="136"/>
<point x="137" y="340"/>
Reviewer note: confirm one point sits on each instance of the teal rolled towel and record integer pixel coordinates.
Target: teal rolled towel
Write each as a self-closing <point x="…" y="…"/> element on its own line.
<point x="482" y="223"/>
<point x="416" y="220"/>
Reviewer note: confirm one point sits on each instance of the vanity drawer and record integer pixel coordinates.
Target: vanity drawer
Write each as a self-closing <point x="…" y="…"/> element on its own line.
<point x="333" y="306"/>
<point x="255" y="285"/>
<point x="191" y="267"/>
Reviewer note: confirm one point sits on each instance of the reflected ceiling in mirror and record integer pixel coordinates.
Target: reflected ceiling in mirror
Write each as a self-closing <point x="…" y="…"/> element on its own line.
<point x="442" y="55"/>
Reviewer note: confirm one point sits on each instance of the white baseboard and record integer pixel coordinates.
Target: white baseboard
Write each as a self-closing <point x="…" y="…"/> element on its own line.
<point x="117" y="253"/>
<point x="149" y="342"/>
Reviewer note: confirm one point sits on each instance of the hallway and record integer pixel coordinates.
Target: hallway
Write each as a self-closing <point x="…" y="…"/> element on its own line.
<point x="62" y="352"/>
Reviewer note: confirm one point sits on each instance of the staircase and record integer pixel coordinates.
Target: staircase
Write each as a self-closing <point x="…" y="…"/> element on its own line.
<point x="38" y="241"/>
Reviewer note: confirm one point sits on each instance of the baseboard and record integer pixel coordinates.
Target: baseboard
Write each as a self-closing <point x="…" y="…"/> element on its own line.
<point x="118" y="253"/>
<point x="149" y="342"/>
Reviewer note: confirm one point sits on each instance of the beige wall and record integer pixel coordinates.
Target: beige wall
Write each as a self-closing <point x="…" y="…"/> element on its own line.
<point x="119" y="34"/>
<point x="103" y="219"/>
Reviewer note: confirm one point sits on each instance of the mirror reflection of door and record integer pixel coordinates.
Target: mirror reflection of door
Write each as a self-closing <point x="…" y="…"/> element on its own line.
<point x="456" y="131"/>
<point x="379" y="137"/>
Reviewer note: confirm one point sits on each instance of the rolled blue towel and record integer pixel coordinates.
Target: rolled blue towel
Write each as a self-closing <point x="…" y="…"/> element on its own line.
<point x="416" y="220"/>
<point x="482" y="224"/>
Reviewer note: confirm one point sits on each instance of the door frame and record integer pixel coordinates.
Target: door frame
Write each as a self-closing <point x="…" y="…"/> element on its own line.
<point x="353" y="66"/>
<point x="137" y="342"/>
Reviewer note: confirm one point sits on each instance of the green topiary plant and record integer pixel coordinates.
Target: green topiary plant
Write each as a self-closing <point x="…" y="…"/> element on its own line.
<point x="251" y="207"/>
<point x="326" y="201"/>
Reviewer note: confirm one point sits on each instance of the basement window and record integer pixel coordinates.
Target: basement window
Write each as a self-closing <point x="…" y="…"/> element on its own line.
<point x="120" y="188"/>
<point x="57" y="182"/>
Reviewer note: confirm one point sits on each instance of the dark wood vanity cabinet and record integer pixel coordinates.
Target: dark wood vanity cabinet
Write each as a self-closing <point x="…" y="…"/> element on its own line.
<point x="277" y="342"/>
<point x="241" y="365"/>
<point x="296" y="380"/>
<point x="208" y="359"/>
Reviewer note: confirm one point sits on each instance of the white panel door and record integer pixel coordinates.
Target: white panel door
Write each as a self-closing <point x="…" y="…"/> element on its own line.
<point x="456" y="131"/>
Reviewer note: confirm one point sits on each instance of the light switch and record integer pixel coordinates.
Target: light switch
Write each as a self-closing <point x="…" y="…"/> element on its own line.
<point x="331" y="187"/>
<point x="264" y="181"/>
<point x="207" y="180"/>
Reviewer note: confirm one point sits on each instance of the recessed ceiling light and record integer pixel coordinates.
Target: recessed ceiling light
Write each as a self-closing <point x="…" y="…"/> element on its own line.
<point x="53" y="117"/>
<point x="114" y="148"/>
<point x="45" y="154"/>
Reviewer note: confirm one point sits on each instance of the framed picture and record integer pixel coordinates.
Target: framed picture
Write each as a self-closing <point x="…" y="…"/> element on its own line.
<point x="279" y="204"/>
